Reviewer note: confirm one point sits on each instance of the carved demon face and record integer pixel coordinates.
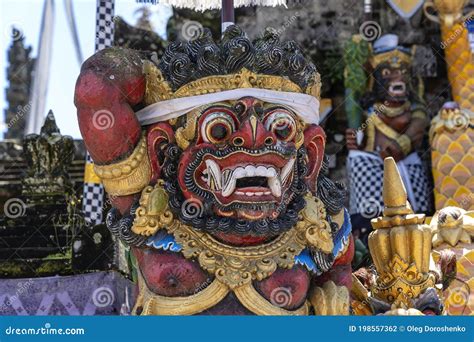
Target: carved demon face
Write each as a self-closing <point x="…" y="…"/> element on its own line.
<point x="246" y="167"/>
<point x="392" y="83"/>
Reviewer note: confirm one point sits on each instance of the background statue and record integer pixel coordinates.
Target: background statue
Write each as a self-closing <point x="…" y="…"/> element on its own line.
<point x="394" y="127"/>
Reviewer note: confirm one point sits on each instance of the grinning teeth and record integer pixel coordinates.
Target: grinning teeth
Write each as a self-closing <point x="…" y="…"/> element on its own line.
<point x="229" y="185"/>
<point x="249" y="171"/>
<point x="275" y="186"/>
<point x="215" y="176"/>
<point x="226" y="181"/>
<point x="240" y="172"/>
<point x="285" y="172"/>
<point x="261" y="171"/>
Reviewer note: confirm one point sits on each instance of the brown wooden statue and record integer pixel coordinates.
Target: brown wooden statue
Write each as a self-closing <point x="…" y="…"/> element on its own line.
<point x="394" y="127"/>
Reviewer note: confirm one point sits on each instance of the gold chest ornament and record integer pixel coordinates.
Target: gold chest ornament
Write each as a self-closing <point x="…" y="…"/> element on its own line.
<point x="235" y="268"/>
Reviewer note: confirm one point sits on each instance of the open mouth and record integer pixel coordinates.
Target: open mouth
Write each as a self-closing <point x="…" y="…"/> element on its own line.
<point x="397" y="89"/>
<point x="246" y="179"/>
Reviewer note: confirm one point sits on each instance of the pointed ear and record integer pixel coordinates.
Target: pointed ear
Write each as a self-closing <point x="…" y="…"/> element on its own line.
<point x="158" y="135"/>
<point x="314" y="141"/>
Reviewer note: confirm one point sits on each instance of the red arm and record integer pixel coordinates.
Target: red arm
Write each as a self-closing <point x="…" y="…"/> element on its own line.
<point x="111" y="82"/>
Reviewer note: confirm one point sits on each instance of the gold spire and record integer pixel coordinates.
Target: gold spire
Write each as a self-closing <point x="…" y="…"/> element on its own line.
<point x="394" y="193"/>
<point x="397" y="210"/>
<point x="400" y="245"/>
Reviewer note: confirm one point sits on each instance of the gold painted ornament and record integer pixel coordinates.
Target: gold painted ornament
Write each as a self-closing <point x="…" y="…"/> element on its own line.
<point x="128" y="176"/>
<point x="235" y="266"/>
<point x="400" y="246"/>
<point x="330" y="299"/>
<point x="153" y="213"/>
<point x="453" y="230"/>
<point x="457" y="50"/>
<point x="158" y="89"/>
<point x="406" y="8"/>
<point x="452" y="154"/>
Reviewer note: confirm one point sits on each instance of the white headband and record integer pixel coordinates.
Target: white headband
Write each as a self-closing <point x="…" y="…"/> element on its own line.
<point x="306" y="106"/>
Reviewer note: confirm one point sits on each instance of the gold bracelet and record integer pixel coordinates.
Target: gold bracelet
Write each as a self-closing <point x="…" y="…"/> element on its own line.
<point x="128" y="176"/>
<point x="405" y="143"/>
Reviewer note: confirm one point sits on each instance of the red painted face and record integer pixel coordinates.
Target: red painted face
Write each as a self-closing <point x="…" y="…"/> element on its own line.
<point x="245" y="161"/>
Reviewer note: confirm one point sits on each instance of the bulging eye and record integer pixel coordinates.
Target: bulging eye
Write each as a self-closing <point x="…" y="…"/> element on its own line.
<point x="385" y="72"/>
<point x="282" y="124"/>
<point x="217" y="127"/>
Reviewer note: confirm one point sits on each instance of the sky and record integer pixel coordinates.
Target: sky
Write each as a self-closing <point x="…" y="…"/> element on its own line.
<point x="26" y="15"/>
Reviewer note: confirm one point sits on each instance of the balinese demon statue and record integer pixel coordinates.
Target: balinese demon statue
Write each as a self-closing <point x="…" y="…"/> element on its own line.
<point x="394" y="127"/>
<point x="214" y="162"/>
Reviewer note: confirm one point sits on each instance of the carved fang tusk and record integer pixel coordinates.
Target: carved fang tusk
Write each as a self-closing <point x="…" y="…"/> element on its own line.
<point x="229" y="186"/>
<point x="275" y="186"/>
<point x="214" y="172"/>
<point x="285" y="172"/>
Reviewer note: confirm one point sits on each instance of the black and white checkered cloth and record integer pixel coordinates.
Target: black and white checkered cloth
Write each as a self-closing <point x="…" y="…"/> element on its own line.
<point x="104" y="24"/>
<point x="365" y="171"/>
<point x="93" y="202"/>
<point x="93" y="194"/>
<point x="419" y="185"/>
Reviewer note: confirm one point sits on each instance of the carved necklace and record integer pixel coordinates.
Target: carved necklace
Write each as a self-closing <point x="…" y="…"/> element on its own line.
<point x="231" y="265"/>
